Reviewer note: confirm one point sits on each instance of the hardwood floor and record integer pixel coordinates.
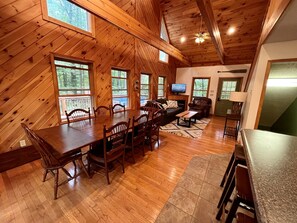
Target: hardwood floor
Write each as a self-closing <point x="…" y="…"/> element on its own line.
<point x="138" y="195"/>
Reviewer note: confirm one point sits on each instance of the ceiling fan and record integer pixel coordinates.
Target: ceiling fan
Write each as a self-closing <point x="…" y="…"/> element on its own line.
<point x="201" y="36"/>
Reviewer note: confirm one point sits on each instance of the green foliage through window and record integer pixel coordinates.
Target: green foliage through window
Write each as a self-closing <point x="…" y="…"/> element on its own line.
<point x="227" y="88"/>
<point x="74" y="89"/>
<point x="119" y="87"/>
<point x="161" y="87"/>
<point x="144" y="88"/>
<point x="69" y="13"/>
<point x="200" y="87"/>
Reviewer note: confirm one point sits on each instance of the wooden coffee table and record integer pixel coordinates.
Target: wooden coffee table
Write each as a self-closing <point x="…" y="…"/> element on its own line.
<point x="188" y="118"/>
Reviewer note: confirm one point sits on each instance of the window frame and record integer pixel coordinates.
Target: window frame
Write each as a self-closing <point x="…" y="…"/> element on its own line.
<point x="228" y="92"/>
<point x="149" y="87"/>
<point x="55" y="80"/>
<point x="164" y="87"/>
<point x="127" y="82"/>
<point x="164" y="31"/>
<point x="48" y="18"/>
<point x="193" y="81"/>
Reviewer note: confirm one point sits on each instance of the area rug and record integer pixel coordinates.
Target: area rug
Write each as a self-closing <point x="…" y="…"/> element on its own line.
<point x="194" y="131"/>
<point x="197" y="193"/>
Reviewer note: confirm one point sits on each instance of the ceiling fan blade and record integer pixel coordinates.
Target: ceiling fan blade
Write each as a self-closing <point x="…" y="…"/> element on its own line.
<point x="233" y="71"/>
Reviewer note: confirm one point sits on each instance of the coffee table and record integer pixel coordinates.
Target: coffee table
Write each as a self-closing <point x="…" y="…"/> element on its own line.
<point x="187" y="116"/>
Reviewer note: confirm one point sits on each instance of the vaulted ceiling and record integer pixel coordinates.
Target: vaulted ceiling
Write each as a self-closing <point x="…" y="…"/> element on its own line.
<point x="183" y="18"/>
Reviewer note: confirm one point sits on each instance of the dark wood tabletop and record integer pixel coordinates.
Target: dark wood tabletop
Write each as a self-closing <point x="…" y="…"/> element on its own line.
<point x="272" y="165"/>
<point x="67" y="137"/>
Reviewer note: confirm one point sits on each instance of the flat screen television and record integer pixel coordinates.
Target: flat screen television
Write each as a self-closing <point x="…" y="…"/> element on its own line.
<point x="178" y="88"/>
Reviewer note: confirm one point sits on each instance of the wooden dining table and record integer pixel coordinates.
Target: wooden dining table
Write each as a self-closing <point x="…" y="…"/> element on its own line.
<point x="272" y="166"/>
<point x="67" y="137"/>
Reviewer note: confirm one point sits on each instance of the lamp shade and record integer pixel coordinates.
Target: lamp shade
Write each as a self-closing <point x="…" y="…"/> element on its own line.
<point x="238" y="96"/>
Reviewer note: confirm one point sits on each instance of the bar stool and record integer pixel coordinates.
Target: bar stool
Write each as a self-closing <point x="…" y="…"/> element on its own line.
<point x="243" y="194"/>
<point x="236" y="158"/>
<point x="242" y="218"/>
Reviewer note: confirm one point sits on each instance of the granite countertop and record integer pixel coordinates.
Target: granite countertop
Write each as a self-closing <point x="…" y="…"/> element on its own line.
<point x="272" y="164"/>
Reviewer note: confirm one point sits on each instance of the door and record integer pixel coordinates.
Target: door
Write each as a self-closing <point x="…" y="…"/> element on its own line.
<point x="225" y="87"/>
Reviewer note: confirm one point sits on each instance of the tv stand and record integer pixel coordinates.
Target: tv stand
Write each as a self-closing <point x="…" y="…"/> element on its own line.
<point x="179" y="98"/>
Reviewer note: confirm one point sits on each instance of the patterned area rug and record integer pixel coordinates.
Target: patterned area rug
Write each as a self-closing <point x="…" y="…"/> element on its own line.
<point x="194" y="132"/>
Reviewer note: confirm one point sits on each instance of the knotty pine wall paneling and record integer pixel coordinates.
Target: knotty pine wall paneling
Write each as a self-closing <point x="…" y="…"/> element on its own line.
<point x="26" y="80"/>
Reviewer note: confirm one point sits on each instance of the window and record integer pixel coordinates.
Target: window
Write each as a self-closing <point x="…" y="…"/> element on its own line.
<point x="200" y="87"/>
<point x="119" y="79"/>
<point x="144" y="88"/>
<point x="73" y="80"/>
<point x="161" y="87"/>
<point x="67" y="13"/>
<point x="227" y="88"/>
<point x="164" y="35"/>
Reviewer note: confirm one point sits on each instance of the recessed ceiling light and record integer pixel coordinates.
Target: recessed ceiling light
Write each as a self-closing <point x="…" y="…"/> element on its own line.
<point x="231" y="30"/>
<point x="182" y="39"/>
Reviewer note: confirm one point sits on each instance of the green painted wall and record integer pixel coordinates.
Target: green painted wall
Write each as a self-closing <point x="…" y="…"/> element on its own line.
<point x="287" y="122"/>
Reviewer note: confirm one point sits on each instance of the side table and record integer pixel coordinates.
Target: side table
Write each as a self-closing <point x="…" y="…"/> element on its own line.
<point x="232" y="122"/>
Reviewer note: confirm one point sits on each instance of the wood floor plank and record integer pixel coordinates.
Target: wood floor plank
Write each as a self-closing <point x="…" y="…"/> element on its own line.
<point x="138" y="195"/>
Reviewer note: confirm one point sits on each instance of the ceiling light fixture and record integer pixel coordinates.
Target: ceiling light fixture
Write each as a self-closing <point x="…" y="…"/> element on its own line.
<point x="231" y="30"/>
<point x="201" y="36"/>
<point x="182" y="39"/>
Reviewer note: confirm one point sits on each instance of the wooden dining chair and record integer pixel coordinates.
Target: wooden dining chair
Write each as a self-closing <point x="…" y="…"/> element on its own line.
<point x="114" y="144"/>
<point x="52" y="161"/>
<point x="102" y="110"/>
<point x="139" y="131"/>
<point x="154" y="128"/>
<point x="118" y="108"/>
<point x="78" y="114"/>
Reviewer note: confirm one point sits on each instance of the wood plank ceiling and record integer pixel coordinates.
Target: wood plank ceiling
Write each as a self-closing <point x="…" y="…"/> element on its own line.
<point x="182" y="18"/>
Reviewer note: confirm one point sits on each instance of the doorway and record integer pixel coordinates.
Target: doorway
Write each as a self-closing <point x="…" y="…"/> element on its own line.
<point x="225" y="87"/>
<point x="278" y="104"/>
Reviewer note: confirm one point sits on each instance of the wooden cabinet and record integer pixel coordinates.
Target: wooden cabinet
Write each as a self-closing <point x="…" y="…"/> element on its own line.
<point x="180" y="97"/>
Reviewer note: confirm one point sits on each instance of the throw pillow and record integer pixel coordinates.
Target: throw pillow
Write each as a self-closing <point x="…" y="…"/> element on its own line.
<point x="172" y="104"/>
<point x="165" y="106"/>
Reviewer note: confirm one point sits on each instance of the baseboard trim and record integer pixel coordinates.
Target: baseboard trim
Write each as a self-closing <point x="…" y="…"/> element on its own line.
<point x="18" y="157"/>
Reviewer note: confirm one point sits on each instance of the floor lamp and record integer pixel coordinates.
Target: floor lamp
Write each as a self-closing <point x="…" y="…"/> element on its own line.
<point x="238" y="98"/>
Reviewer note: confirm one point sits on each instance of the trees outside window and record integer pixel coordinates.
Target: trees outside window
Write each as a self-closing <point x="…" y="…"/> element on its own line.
<point x="200" y="87"/>
<point x="144" y="88"/>
<point x="161" y="87"/>
<point x="119" y="79"/>
<point x="63" y="11"/>
<point x="227" y="88"/>
<point x="73" y="84"/>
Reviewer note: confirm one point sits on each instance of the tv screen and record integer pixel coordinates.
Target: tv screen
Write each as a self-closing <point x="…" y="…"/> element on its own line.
<point x="178" y="88"/>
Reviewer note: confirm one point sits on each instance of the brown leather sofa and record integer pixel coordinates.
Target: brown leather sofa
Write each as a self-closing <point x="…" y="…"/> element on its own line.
<point x="201" y="105"/>
<point x="169" y="113"/>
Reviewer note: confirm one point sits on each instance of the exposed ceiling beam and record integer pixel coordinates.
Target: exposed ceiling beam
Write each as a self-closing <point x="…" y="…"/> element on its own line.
<point x="212" y="26"/>
<point x="274" y="11"/>
<point x="108" y="11"/>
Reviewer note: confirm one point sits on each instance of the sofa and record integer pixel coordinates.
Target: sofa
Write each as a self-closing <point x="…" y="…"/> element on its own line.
<point x="169" y="111"/>
<point x="201" y="105"/>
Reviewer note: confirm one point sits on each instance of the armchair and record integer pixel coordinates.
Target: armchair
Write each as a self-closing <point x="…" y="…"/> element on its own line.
<point x="201" y="105"/>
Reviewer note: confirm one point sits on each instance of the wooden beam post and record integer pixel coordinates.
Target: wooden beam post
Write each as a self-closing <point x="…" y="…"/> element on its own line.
<point x="212" y="26"/>
<point x="108" y="11"/>
<point x="274" y="11"/>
